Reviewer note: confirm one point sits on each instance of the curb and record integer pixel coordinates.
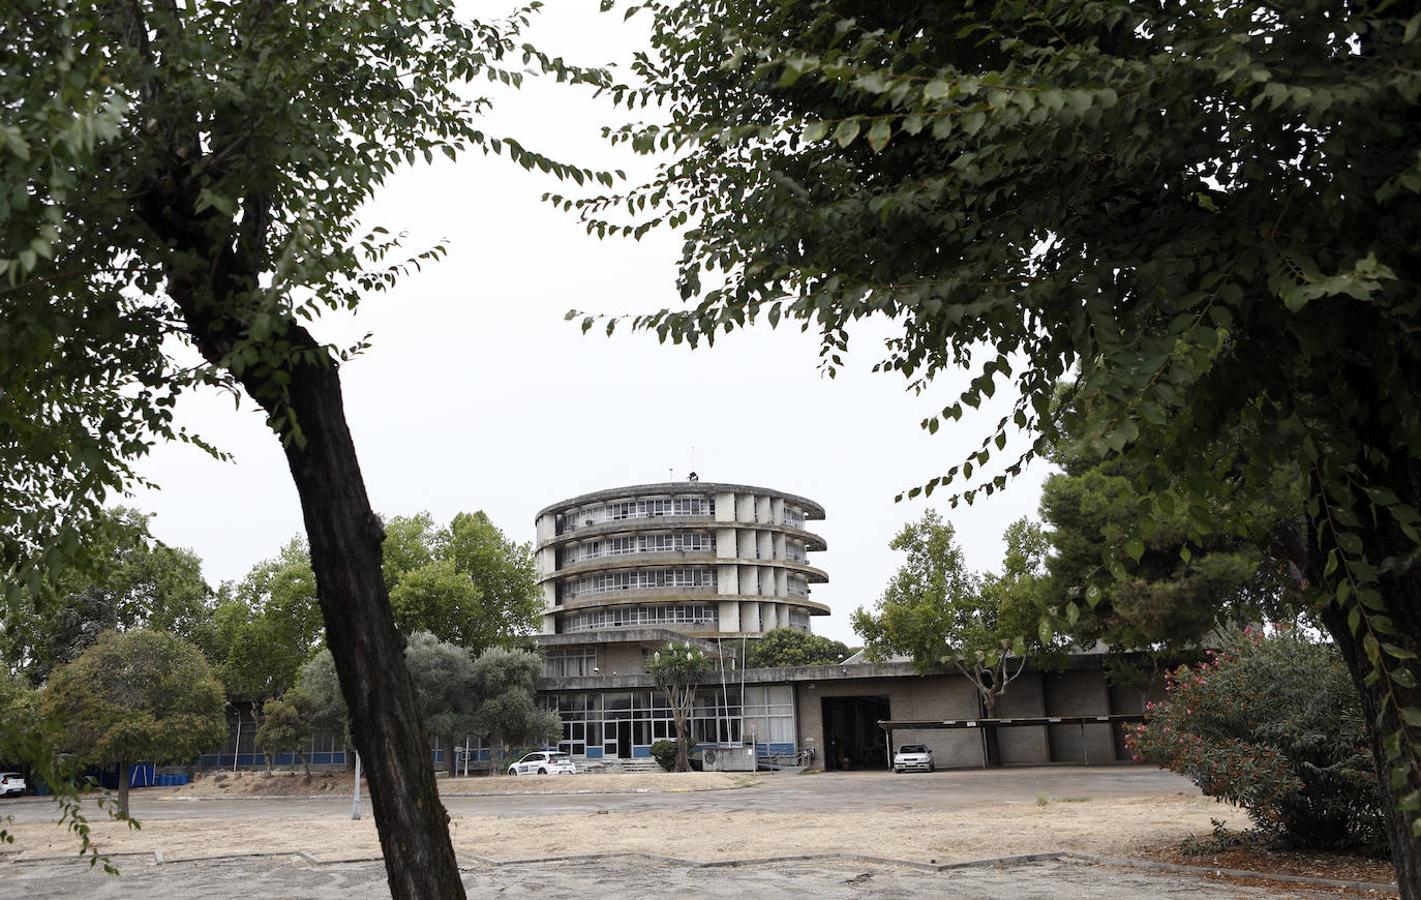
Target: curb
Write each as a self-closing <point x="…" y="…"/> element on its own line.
<point x="473" y="863"/>
<point x="1231" y="873"/>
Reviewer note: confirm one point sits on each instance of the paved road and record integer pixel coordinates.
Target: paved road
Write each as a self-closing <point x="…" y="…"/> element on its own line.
<point x="830" y="792"/>
<point x="622" y="878"/>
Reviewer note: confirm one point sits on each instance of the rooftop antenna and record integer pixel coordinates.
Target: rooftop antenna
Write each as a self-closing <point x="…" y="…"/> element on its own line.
<point x="670" y="473"/>
<point x="693" y="476"/>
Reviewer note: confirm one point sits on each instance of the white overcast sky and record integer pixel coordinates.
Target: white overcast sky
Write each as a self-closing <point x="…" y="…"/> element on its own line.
<point x="477" y="394"/>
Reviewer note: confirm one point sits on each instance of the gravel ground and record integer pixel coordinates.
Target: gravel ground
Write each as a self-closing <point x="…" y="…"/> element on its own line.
<point x="620" y="877"/>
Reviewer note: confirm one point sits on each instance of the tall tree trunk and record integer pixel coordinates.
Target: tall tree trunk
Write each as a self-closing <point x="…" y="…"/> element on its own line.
<point x="305" y="764"/>
<point x="990" y="742"/>
<point x="298" y="385"/>
<point x="683" y="738"/>
<point x="452" y="758"/>
<point x="345" y="537"/>
<point x="123" y="788"/>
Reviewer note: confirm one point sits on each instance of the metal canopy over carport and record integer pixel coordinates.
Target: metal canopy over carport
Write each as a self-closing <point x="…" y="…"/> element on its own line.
<point x="890" y="726"/>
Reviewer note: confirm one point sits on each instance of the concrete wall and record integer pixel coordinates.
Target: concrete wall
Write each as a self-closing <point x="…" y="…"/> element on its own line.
<point x="1023" y="745"/>
<point x="621" y="659"/>
<point x="1071" y="693"/>
<point x="919" y="697"/>
<point x="1081" y="692"/>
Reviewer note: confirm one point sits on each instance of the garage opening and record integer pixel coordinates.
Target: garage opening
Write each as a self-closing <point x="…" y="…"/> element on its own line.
<point x="852" y="738"/>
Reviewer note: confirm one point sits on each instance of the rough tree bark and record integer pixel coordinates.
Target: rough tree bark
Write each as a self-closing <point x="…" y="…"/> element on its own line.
<point x="208" y="275"/>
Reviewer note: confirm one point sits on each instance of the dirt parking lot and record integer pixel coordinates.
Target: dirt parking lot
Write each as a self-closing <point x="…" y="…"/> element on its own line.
<point x="941" y="817"/>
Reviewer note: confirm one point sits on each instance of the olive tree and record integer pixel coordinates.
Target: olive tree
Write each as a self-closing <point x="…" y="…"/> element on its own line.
<point x="286" y="728"/>
<point x="1198" y="220"/>
<point x="135" y="696"/>
<point x="505" y="703"/>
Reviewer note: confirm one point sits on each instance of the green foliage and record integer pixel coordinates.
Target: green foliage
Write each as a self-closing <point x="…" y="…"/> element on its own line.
<point x="466" y="584"/>
<point x="678" y="665"/>
<point x="119" y="578"/>
<point x="24" y="739"/>
<point x="1197" y="222"/>
<point x="266" y="626"/>
<point x="795" y="647"/>
<point x="321" y="686"/>
<point x="677" y="670"/>
<point x="1273" y="725"/>
<point x="664" y="752"/>
<point x="938" y="613"/>
<point x="505" y="710"/>
<point x="226" y="228"/>
<point x="446" y="689"/>
<point x="286" y="726"/>
<point x="184" y="177"/>
<point x="1187" y="581"/>
<point x="134" y="696"/>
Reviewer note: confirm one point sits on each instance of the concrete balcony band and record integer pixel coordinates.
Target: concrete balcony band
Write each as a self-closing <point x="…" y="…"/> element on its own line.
<point x="670" y="558"/>
<point x="679" y="595"/>
<point x="812" y="541"/>
<point x="811" y="509"/>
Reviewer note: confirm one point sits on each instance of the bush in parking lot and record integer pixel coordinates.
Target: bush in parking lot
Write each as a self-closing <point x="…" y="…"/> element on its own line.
<point x="1273" y="725"/>
<point x="664" y="752"/>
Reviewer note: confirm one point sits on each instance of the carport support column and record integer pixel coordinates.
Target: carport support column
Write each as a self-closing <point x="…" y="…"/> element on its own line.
<point x="889" y="748"/>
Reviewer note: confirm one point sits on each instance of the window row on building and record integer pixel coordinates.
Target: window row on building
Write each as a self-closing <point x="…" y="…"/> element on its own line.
<point x="634" y="616"/>
<point x="622" y="510"/>
<point x="689" y="541"/>
<point x="799" y="618"/>
<point x="623" y="724"/>
<point x="642" y="579"/>
<point x="797" y="586"/>
<point x="569" y="662"/>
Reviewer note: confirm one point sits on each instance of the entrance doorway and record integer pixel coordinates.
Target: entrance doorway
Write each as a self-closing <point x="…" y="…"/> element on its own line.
<point x="852" y="738"/>
<point x="624" y="740"/>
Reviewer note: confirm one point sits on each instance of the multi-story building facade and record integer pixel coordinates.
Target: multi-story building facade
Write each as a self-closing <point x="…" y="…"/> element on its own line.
<point x="693" y="557"/>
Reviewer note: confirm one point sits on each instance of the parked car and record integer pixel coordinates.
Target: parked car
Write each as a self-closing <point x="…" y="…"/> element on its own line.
<point x="11" y="783"/>
<point x="544" y="762"/>
<point x="913" y="757"/>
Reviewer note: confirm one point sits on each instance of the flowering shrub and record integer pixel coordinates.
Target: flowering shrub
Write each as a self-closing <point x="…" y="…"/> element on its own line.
<point x="1272" y="724"/>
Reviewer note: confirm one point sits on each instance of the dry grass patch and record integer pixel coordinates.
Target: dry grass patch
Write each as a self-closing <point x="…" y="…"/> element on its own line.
<point x="1120" y="827"/>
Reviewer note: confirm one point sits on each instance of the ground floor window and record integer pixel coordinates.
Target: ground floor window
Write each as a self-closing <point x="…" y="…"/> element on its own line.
<point x="624" y="724"/>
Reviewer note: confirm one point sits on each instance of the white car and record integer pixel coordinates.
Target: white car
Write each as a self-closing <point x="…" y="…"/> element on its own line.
<point x="913" y="757"/>
<point x="11" y="783"/>
<point x="544" y="762"/>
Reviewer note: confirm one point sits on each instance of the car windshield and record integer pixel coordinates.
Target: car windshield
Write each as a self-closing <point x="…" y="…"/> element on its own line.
<point x="532" y="757"/>
<point x="559" y="757"/>
<point x="912" y="748"/>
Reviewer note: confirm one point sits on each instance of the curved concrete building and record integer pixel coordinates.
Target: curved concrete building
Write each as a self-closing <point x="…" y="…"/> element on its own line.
<point x="695" y="557"/>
